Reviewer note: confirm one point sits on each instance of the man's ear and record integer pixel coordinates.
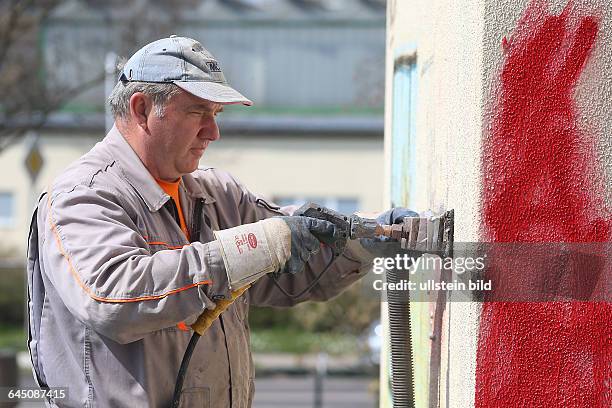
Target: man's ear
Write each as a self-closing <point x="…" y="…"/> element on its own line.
<point x="140" y="109"/>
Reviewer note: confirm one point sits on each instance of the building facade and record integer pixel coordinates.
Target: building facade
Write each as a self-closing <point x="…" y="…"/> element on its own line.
<point x="501" y="111"/>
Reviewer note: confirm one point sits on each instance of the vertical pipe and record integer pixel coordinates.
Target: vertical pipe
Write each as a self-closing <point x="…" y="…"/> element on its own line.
<point x="402" y="381"/>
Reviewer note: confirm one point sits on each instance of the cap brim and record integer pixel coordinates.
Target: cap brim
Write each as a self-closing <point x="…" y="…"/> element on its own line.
<point x="213" y="92"/>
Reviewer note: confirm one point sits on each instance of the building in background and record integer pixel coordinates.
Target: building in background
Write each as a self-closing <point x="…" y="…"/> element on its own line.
<point x="314" y="69"/>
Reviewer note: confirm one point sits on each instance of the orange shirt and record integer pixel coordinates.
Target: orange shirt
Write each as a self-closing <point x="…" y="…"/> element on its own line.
<point x="172" y="190"/>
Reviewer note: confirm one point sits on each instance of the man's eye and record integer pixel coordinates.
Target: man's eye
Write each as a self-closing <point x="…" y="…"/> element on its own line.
<point x="204" y="113"/>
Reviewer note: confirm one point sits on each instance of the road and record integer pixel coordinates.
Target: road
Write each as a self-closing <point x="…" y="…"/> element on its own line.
<point x="296" y="392"/>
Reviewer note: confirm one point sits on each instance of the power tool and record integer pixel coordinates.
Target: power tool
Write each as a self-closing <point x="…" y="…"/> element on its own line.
<point x="427" y="234"/>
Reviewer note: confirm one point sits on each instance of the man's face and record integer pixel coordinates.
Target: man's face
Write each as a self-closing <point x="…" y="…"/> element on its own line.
<point x="178" y="138"/>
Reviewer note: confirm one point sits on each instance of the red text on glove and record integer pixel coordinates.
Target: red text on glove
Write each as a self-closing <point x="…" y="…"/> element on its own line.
<point x="243" y="240"/>
<point x="252" y="240"/>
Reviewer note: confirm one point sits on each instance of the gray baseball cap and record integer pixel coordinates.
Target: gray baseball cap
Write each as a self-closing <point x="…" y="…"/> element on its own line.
<point x="185" y="63"/>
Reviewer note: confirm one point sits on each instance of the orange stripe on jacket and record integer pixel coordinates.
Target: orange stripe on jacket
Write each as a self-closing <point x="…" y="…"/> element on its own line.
<point x="166" y="244"/>
<point x="88" y="290"/>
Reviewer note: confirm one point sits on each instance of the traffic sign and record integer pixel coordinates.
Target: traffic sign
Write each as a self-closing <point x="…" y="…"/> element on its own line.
<point x="34" y="160"/>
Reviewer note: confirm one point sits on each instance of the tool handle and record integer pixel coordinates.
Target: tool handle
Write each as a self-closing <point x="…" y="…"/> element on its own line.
<point x="338" y="242"/>
<point x="206" y="319"/>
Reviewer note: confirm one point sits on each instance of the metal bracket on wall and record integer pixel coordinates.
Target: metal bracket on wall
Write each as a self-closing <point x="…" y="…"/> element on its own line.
<point x="438" y="313"/>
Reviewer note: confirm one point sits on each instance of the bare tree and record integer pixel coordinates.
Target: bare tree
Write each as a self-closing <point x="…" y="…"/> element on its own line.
<point x="28" y="96"/>
<point x="24" y="100"/>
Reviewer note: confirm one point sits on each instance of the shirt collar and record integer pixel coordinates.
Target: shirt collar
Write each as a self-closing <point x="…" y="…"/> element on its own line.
<point x="139" y="177"/>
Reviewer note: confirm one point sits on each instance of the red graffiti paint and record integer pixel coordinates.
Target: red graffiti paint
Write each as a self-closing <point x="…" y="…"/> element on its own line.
<point x="542" y="183"/>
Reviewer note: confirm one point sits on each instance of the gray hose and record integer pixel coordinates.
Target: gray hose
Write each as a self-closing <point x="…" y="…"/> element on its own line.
<point x="402" y="381"/>
<point x="402" y="364"/>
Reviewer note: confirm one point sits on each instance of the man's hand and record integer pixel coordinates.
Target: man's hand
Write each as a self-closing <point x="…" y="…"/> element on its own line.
<point x="306" y="237"/>
<point x="279" y="244"/>
<point x="395" y="216"/>
<point x="384" y="246"/>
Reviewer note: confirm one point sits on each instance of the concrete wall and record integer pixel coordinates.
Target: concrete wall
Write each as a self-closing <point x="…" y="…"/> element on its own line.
<point x="511" y="125"/>
<point x="280" y="166"/>
<point x="447" y="39"/>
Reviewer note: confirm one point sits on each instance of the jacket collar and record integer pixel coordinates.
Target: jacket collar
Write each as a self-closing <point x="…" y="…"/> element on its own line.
<point x="139" y="177"/>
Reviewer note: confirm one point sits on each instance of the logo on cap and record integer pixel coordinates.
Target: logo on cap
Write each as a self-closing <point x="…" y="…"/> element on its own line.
<point x="213" y="66"/>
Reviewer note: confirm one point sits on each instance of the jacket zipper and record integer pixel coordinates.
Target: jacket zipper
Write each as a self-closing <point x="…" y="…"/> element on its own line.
<point x="196" y="225"/>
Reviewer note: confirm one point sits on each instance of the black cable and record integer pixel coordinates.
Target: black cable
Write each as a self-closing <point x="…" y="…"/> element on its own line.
<point x="308" y="288"/>
<point x="180" y="378"/>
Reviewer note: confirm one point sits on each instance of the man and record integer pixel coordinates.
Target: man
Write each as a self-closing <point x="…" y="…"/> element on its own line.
<point x="132" y="242"/>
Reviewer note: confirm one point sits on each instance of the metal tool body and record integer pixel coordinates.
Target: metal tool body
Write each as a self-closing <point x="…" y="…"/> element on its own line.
<point x="428" y="233"/>
<point x="347" y="227"/>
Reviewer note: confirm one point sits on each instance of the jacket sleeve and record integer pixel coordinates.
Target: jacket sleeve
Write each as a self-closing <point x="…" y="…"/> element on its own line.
<point x="102" y="268"/>
<point x="346" y="269"/>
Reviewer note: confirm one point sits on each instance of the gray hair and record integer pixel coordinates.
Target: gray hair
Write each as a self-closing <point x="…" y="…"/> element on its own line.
<point x="119" y="99"/>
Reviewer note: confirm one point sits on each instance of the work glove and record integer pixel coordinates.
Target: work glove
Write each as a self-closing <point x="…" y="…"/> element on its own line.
<point x="395" y="216"/>
<point x="307" y="234"/>
<point x="278" y="244"/>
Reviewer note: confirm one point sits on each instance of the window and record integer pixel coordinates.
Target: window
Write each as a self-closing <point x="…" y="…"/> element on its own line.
<point x="403" y="130"/>
<point x="7" y="209"/>
<point x="346" y="206"/>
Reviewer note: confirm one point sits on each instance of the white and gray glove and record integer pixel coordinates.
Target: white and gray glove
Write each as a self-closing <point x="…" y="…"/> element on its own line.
<point x="279" y="244"/>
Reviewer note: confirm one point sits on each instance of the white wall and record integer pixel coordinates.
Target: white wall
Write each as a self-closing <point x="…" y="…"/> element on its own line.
<point x="447" y="37"/>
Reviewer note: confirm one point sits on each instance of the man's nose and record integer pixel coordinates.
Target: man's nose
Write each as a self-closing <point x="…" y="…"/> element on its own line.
<point x="210" y="130"/>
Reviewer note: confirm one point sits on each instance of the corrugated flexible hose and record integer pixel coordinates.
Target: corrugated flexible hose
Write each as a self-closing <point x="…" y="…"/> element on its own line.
<point x="402" y="381"/>
<point x="402" y="362"/>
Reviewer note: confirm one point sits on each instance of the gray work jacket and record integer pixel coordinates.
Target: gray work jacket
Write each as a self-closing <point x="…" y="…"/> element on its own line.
<point x="110" y="274"/>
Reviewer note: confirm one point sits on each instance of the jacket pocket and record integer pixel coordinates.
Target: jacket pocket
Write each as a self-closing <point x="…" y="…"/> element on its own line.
<point x="197" y="397"/>
<point x="251" y="391"/>
<point x="241" y="308"/>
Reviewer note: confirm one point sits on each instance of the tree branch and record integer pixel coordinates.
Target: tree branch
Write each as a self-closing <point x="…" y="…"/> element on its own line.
<point x="10" y="133"/>
<point x="17" y="9"/>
